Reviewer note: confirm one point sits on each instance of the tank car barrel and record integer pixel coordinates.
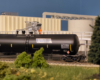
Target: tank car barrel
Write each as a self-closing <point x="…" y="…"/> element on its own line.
<point x="50" y="42"/>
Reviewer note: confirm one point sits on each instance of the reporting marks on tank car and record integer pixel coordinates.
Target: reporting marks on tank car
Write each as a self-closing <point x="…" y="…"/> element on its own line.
<point x="65" y="46"/>
<point x="43" y="40"/>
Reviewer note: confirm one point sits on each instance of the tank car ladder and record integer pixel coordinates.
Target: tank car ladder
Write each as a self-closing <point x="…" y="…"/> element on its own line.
<point x="27" y="43"/>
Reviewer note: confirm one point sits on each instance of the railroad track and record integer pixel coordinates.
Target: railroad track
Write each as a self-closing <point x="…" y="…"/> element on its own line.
<point x="81" y="64"/>
<point x="7" y="58"/>
<point x="52" y="62"/>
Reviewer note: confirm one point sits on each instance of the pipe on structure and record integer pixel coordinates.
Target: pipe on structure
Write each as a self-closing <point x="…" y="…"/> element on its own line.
<point x="68" y="16"/>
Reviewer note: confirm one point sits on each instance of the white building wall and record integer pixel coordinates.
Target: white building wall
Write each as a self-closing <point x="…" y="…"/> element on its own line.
<point x="80" y="25"/>
<point x="11" y="23"/>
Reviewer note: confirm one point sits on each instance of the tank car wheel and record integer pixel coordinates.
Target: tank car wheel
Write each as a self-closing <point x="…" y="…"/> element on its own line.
<point x="68" y="59"/>
<point x="78" y="59"/>
<point x="62" y="58"/>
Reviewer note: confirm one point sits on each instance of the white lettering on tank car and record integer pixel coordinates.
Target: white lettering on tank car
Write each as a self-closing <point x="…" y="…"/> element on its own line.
<point x="43" y="40"/>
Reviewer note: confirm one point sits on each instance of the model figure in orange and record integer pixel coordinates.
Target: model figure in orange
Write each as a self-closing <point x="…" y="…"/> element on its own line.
<point x="40" y="30"/>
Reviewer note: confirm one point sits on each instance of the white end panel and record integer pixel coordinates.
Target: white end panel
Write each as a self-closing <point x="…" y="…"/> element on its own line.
<point x="80" y="25"/>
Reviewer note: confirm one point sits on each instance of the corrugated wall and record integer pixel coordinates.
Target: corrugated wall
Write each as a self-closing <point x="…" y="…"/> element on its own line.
<point x="11" y="23"/>
<point x="0" y="23"/>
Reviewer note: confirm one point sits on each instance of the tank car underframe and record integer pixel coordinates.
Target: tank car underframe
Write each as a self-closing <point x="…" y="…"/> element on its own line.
<point x="69" y="58"/>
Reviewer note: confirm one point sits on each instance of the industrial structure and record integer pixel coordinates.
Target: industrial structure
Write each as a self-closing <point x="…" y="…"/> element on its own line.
<point x="9" y="25"/>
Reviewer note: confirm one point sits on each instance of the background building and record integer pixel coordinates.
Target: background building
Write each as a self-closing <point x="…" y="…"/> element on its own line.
<point x="35" y="8"/>
<point x="31" y="10"/>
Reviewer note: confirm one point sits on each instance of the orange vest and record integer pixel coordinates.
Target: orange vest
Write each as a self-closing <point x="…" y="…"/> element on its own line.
<point x="40" y="30"/>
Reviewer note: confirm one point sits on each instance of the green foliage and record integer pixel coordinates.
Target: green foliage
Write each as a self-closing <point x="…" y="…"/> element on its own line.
<point x="10" y="77"/>
<point x="17" y="74"/>
<point x="3" y="69"/>
<point x="38" y="59"/>
<point x="94" y="52"/>
<point x="14" y="77"/>
<point x="24" y="77"/>
<point x="6" y="70"/>
<point x="55" y="72"/>
<point x="23" y="60"/>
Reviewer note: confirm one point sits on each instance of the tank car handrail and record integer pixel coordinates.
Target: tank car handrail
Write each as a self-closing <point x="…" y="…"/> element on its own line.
<point x="79" y="34"/>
